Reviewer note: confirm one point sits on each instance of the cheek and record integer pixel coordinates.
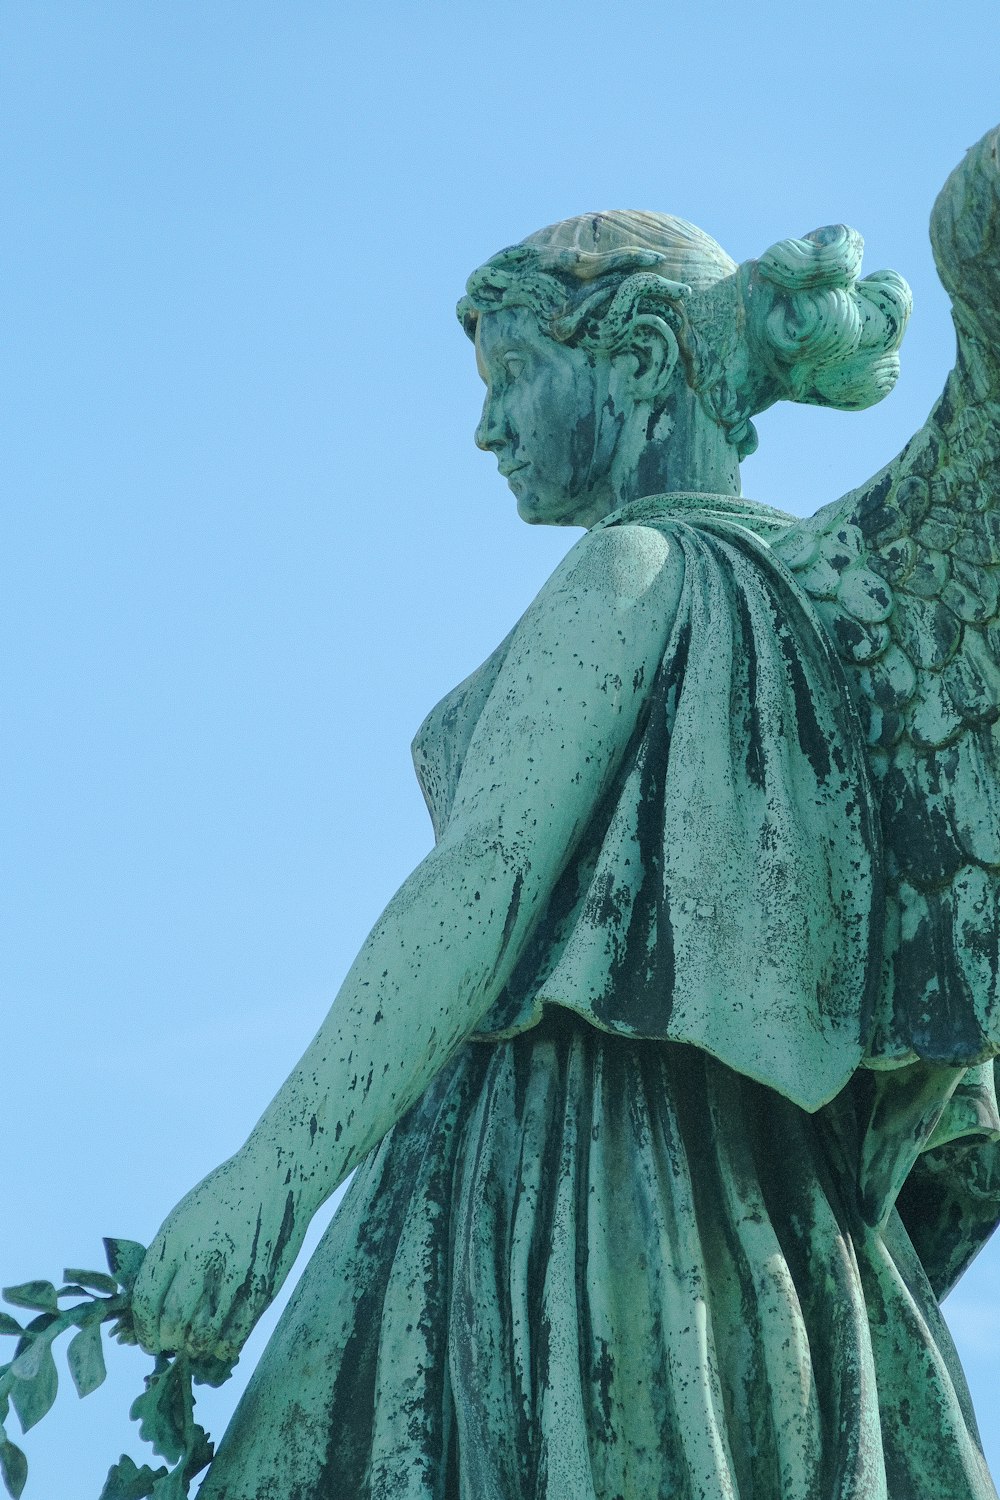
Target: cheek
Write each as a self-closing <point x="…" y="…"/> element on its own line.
<point x="555" y="420"/>
<point x="579" y="425"/>
<point x="582" y="441"/>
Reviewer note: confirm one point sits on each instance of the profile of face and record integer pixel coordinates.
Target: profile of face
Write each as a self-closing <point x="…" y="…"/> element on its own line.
<point x="625" y="354"/>
<point x="551" y="418"/>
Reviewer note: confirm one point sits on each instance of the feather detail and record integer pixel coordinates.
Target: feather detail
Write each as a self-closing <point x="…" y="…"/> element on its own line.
<point x="905" y="575"/>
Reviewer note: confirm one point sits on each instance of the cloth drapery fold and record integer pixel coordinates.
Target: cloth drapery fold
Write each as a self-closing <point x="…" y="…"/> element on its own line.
<point x="726" y="893"/>
<point x="661" y="1228"/>
<point x="589" y="1268"/>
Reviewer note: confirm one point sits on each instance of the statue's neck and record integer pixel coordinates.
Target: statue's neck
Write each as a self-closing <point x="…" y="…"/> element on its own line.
<point x="679" y="449"/>
<point x="683" y="451"/>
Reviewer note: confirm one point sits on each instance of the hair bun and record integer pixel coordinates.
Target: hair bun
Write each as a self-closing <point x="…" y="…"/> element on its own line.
<point x="822" y="335"/>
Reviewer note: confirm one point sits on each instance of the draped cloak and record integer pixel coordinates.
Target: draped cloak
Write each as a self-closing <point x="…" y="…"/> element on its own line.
<point x="728" y="893"/>
<point x="639" y="1236"/>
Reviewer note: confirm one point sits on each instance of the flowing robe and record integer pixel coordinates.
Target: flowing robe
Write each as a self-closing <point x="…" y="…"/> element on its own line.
<point x="657" y="1229"/>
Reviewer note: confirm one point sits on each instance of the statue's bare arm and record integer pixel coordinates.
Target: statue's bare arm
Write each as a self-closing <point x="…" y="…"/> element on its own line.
<point x="566" y="703"/>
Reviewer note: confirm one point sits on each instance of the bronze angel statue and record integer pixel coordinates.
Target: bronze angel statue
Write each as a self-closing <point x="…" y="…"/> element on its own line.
<point x="668" y="1074"/>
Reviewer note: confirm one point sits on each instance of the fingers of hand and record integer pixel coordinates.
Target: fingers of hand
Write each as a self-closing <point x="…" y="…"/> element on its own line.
<point x="188" y="1314"/>
<point x="236" y="1328"/>
<point x="151" y="1288"/>
<point x="204" y="1331"/>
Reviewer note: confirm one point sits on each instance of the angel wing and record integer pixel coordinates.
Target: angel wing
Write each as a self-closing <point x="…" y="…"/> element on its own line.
<point x="905" y="573"/>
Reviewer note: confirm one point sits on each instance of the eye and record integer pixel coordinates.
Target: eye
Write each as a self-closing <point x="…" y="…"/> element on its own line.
<point x="514" y="365"/>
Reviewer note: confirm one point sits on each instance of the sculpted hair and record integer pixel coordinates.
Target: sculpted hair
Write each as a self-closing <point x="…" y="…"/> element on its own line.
<point x="823" y="335"/>
<point x="797" y="324"/>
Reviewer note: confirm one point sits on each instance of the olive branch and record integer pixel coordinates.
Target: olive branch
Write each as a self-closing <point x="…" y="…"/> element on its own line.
<point x="164" y="1411"/>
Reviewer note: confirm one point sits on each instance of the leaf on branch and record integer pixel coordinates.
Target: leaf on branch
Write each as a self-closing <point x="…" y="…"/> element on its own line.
<point x="43" y="1321"/>
<point x="206" y="1370"/>
<point x="28" y="1363"/>
<point x="172" y="1487"/>
<point x="10" y="1325"/>
<point x="85" y="1358"/>
<point x="94" y="1281"/>
<point x="13" y="1467"/>
<point x="201" y="1451"/>
<point x="123" y="1331"/>
<point x="34" y="1396"/>
<point x="127" y="1482"/>
<point x="40" y="1295"/>
<point x="163" y="1412"/>
<point x="124" y="1258"/>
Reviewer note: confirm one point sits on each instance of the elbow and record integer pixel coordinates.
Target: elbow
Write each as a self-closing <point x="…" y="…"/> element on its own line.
<point x="493" y="871"/>
<point x="487" y="848"/>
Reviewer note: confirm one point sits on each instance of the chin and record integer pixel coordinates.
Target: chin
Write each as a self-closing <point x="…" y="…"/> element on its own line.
<point x="530" y="508"/>
<point x="537" y="511"/>
<point x="529" y="513"/>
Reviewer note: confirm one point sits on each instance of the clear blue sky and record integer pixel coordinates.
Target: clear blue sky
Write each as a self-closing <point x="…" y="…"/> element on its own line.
<point x="247" y="540"/>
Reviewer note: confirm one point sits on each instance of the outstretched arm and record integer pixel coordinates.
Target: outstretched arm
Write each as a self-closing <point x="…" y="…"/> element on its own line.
<point x="565" y="705"/>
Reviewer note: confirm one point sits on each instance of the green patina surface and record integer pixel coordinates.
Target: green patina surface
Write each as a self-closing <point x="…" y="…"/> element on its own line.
<point x="668" y="1075"/>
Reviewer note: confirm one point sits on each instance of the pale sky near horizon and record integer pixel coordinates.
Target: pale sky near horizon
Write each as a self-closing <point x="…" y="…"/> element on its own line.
<point x="248" y="540"/>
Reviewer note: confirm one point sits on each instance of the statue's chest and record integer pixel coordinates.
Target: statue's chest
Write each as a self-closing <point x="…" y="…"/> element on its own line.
<point x="440" y="744"/>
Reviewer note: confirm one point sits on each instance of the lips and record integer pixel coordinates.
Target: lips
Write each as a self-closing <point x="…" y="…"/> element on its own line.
<point x="508" y="471"/>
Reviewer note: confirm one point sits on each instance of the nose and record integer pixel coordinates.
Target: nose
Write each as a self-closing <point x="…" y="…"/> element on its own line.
<point x="491" y="434"/>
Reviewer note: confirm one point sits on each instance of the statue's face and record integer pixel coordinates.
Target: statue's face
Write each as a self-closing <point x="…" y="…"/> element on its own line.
<point x="545" y="418"/>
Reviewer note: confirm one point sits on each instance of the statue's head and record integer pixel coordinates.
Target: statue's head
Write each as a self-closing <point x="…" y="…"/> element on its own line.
<point x="626" y="353"/>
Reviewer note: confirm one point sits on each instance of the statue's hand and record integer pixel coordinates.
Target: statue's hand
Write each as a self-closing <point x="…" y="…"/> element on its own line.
<point x="216" y="1263"/>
